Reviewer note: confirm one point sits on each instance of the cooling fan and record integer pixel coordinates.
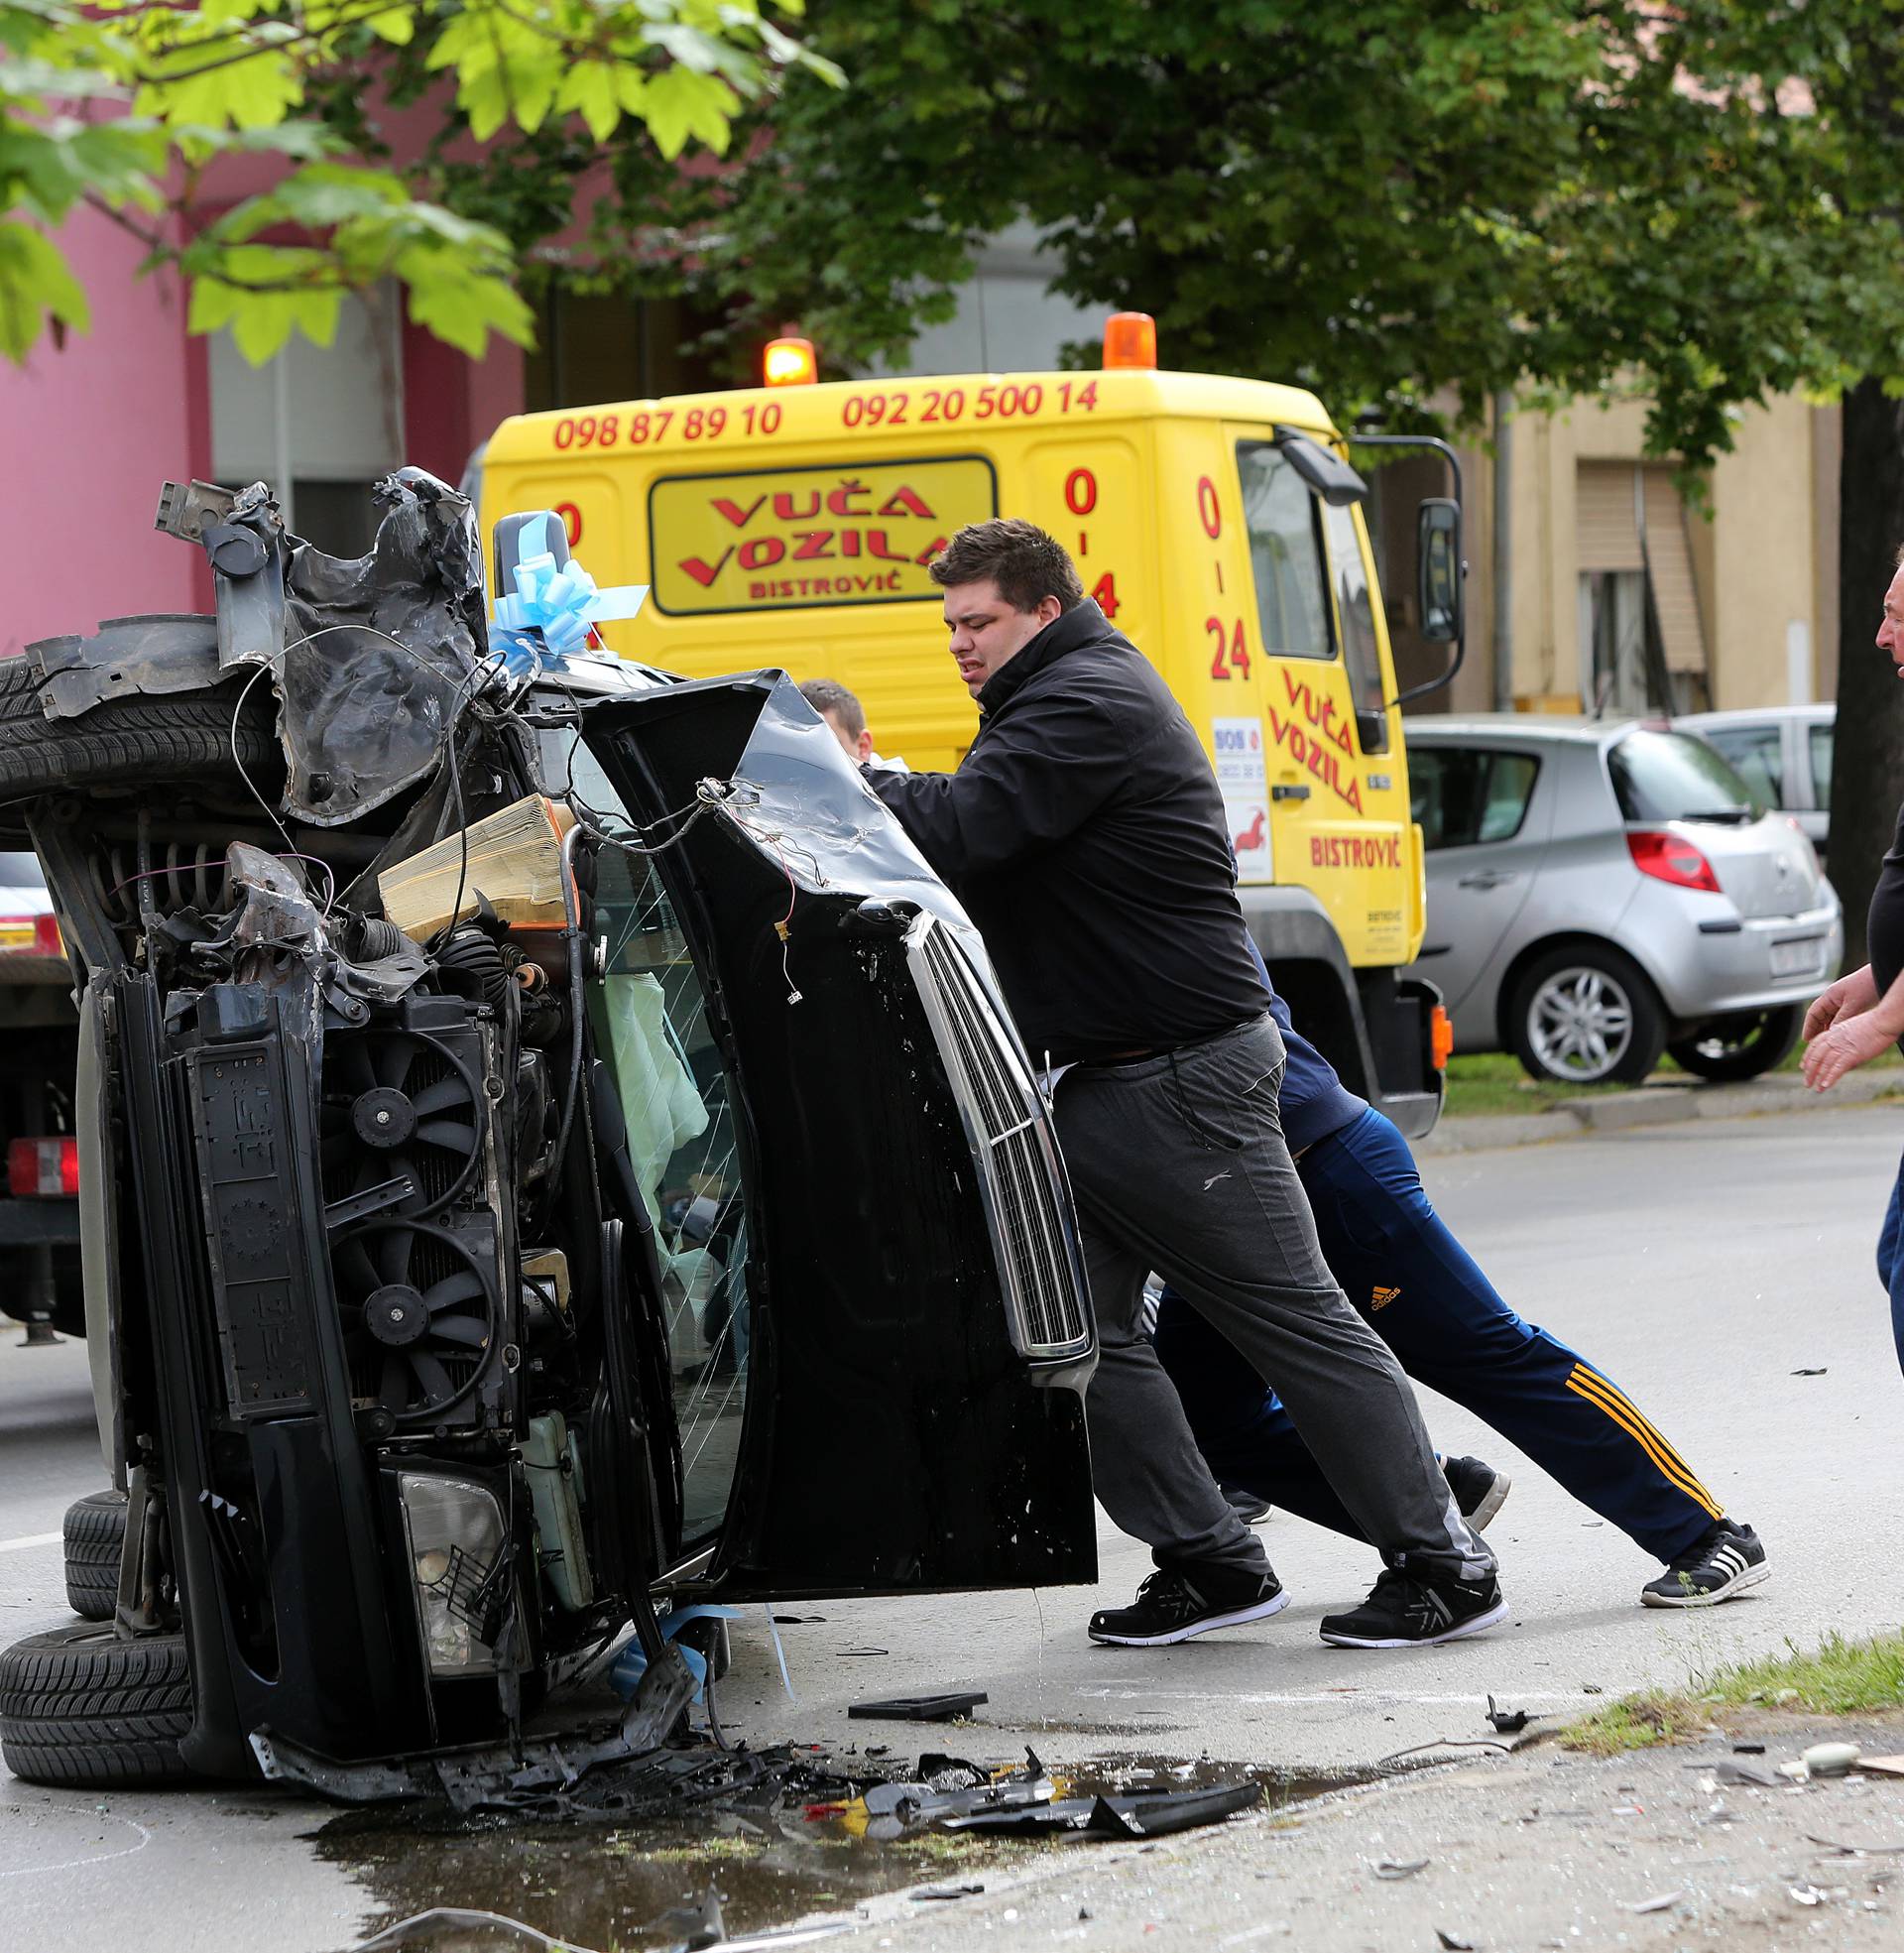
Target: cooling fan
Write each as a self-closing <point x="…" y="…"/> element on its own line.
<point x="420" y="1307"/>
<point x="400" y="1102"/>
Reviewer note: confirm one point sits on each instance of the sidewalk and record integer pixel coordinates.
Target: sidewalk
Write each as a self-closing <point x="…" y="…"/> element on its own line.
<point x="1655" y="1105"/>
<point x="1540" y="1849"/>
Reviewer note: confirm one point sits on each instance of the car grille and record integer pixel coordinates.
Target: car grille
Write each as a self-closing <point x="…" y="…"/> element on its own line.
<point x="1028" y="1201"/>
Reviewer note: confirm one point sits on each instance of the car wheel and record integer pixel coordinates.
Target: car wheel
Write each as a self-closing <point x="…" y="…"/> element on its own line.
<point x="1587" y="1015"/>
<point x="126" y="741"/>
<point x="95" y="1534"/>
<point x="1741" y="1047"/>
<point x="80" y="1706"/>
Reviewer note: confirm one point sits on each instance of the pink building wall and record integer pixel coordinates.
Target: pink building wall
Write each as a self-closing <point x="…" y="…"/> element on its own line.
<point x="89" y="433"/>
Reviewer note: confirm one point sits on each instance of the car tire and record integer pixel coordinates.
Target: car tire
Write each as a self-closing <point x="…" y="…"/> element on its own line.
<point x="1576" y="1001"/>
<point x="1741" y="1047"/>
<point x="95" y="1534"/>
<point x="80" y="1706"/>
<point x="127" y="740"/>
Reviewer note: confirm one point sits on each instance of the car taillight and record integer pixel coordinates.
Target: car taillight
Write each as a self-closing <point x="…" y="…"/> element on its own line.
<point x="1441" y="1035"/>
<point x="43" y="1166"/>
<point x="1672" y="858"/>
<point x="30" y="935"/>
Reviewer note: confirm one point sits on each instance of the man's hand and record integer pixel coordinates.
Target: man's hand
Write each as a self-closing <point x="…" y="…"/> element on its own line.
<point x="1847" y="997"/>
<point x="1849" y="1043"/>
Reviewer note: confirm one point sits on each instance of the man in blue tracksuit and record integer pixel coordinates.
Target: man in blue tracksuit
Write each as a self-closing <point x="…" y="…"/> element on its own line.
<point x="1423" y="1293"/>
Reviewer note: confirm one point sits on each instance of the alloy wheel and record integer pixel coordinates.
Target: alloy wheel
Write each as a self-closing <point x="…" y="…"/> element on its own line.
<point x="1580" y="1022"/>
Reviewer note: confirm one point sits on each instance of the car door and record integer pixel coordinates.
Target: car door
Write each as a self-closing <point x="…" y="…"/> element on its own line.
<point x="872" y="1396"/>
<point x="1484" y="825"/>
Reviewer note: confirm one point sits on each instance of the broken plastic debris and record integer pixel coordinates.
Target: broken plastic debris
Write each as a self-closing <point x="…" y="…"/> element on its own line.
<point x="632" y="1663"/>
<point x="1157" y="1814"/>
<point x="1811" y="1372"/>
<point x="1853" y="1850"/>
<point x="1510" y="1721"/>
<point x="919" y="1708"/>
<point x="948" y="1891"/>
<point x="1730" y="1770"/>
<point x="1830" y="1759"/>
<point x="1390" y="1869"/>
<point x="1452" y="1944"/>
<point x="695" y="1926"/>
<point x="1807" y="1895"/>
<point x="1658" y="1903"/>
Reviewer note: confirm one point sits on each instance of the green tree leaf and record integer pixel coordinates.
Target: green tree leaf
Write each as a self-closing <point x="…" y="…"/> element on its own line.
<point x="36" y="284"/>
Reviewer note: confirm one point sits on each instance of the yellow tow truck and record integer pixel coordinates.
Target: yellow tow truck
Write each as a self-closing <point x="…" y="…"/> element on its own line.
<point x="1216" y="522"/>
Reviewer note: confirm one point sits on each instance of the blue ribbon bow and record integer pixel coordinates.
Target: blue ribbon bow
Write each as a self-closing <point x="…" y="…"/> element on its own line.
<point x="563" y="604"/>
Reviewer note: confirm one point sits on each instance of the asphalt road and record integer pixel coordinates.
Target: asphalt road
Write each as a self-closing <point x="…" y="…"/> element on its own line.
<point x="1698" y="1265"/>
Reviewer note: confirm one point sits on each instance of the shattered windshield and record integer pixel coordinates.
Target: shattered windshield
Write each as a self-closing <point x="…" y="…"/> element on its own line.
<point x="647" y="1014"/>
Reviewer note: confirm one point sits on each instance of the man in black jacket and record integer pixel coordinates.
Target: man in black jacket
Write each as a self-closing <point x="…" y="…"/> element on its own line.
<point x="1085" y="834"/>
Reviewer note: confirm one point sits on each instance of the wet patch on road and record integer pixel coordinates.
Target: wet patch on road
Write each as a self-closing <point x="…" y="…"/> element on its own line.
<point x="779" y="1848"/>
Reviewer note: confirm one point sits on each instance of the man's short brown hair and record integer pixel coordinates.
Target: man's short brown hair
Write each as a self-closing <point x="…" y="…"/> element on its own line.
<point x="829" y="695"/>
<point x="1018" y="555"/>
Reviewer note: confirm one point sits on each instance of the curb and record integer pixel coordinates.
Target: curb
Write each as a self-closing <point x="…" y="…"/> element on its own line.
<point x="1650" y="1105"/>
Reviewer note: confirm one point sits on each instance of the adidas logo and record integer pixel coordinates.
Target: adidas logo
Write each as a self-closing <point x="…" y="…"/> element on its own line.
<point x="1383" y="1298"/>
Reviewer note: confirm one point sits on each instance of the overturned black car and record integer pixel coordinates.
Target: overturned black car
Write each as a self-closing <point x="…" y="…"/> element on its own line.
<point x="546" y="1142"/>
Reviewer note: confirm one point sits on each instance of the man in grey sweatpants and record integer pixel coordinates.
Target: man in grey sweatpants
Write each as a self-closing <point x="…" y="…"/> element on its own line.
<point x="1085" y="833"/>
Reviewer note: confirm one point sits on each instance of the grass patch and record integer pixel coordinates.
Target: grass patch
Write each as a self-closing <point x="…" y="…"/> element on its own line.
<point x="1493" y="1081"/>
<point x="1482" y="1082"/>
<point x="1840" y="1678"/>
<point x="1636" y="1722"/>
<point x="1843" y="1678"/>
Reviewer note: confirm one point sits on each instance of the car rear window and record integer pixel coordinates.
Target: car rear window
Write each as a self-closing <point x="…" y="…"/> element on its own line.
<point x="21" y="871"/>
<point x="1671" y="776"/>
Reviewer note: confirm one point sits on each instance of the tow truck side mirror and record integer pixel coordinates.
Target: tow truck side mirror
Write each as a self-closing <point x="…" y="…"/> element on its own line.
<point x="1438" y="570"/>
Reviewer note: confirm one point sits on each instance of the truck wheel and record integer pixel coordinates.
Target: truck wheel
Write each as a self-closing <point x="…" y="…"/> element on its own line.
<point x="80" y="1706"/>
<point x="127" y="741"/>
<point x="1732" y="1049"/>
<point x="95" y="1532"/>
<point x="1585" y="1016"/>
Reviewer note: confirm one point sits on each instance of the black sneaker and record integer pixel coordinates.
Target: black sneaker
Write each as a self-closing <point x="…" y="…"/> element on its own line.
<point x="1409" y="1610"/>
<point x="1725" y="1562"/>
<point x="1249" y="1507"/>
<point x="1479" y="1491"/>
<point x="1173" y="1605"/>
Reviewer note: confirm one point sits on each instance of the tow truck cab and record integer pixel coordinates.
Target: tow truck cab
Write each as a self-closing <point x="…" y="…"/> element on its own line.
<point x="1213" y="520"/>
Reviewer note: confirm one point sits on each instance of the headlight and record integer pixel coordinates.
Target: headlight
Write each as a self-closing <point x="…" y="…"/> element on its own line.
<point x="456" y="1560"/>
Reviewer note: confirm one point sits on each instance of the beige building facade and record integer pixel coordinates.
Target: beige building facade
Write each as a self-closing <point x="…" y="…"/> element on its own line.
<point x="1620" y="593"/>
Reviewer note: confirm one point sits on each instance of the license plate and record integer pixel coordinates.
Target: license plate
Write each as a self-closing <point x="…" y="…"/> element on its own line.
<point x="1802" y="958"/>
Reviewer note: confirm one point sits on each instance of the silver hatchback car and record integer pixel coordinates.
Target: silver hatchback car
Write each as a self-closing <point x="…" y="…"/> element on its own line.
<point x="1601" y="893"/>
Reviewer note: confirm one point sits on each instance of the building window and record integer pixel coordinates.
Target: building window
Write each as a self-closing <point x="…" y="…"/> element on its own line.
<point x="320" y="424"/>
<point x="1642" y="644"/>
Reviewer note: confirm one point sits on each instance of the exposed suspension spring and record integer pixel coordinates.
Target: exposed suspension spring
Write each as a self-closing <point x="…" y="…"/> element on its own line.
<point x="191" y="875"/>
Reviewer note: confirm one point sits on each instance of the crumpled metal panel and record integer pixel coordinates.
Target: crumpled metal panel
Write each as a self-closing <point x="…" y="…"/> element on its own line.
<point x="798" y="797"/>
<point x="380" y="652"/>
<point x="163" y="653"/>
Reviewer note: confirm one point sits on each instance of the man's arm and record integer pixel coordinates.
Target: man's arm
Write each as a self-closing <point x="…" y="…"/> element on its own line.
<point x="1851" y="1036"/>
<point x="1026" y="785"/>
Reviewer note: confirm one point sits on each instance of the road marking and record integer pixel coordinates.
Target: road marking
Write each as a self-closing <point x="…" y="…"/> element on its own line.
<point x="31" y="1539"/>
<point x="1137" y="1692"/>
<point x="98" y="1858"/>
